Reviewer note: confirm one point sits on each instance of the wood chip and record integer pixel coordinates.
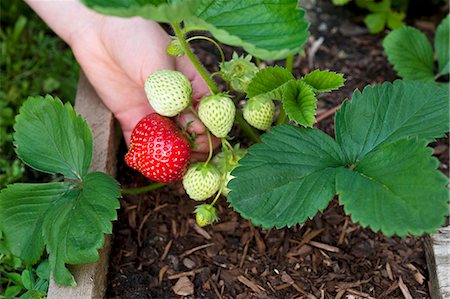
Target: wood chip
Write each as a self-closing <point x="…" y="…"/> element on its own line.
<point x="404" y="289"/>
<point x="244" y="254"/>
<point x="191" y="251"/>
<point x="166" y="250"/>
<point x="288" y="279"/>
<point x="259" y="242"/>
<point x="162" y="271"/>
<point x="184" y="274"/>
<point x="324" y="246"/>
<point x="361" y="294"/>
<point x="252" y="285"/>
<point x="199" y="230"/>
<point x="417" y="275"/>
<point x="389" y="271"/>
<point x="183" y="287"/>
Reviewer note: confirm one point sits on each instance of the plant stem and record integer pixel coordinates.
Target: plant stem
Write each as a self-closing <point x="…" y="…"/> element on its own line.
<point x="208" y="134"/>
<point x="145" y="189"/>
<point x="201" y="70"/>
<point x="217" y="197"/>
<point x="249" y="131"/>
<point x="282" y="117"/>
<point x="222" y="55"/>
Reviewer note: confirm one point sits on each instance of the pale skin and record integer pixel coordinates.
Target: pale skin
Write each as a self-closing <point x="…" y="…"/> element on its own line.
<point x="117" y="55"/>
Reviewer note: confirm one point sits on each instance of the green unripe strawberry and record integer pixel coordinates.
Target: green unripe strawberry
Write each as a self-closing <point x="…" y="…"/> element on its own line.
<point x="239" y="71"/>
<point x="201" y="181"/>
<point x="217" y="114"/>
<point x="169" y="92"/>
<point x="175" y="48"/>
<point x="259" y="113"/>
<point x="205" y="214"/>
<point x="225" y="162"/>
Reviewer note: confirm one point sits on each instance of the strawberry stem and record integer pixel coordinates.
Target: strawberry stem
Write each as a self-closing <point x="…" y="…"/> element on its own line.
<point x="208" y="134"/>
<point x="202" y="71"/>
<point x="249" y="131"/>
<point x="145" y="189"/>
<point x="217" y="197"/>
<point x="222" y="55"/>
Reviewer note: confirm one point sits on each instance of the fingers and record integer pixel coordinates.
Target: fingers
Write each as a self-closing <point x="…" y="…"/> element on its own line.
<point x="199" y="86"/>
<point x="193" y="124"/>
<point x="202" y="143"/>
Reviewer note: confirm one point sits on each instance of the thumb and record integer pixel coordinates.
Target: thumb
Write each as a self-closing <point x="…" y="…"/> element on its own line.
<point x="199" y="86"/>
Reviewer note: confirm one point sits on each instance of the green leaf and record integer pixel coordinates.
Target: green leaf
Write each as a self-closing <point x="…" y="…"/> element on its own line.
<point x="28" y="279"/>
<point x="300" y="103"/>
<point x="22" y="211"/>
<point x="157" y="10"/>
<point x="324" y="81"/>
<point x="68" y="219"/>
<point x="396" y="189"/>
<point x="375" y="22"/>
<point x="269" y="83"/>
<point x="268" y="29"/>
<point x="286" y="179"/>
<point x="410" y="52"/>
<point x="441" y="44"/>
<point x="43" y="270"/>
<point x="52" y="138"/>
<point x="340" y="2"/>
<point x="395" y="19"/>
<point x="13" y="291"/>
<point x="389" y="112"/>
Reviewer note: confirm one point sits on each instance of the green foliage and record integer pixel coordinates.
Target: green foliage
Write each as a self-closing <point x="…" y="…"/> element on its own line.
<point x="324" y="81"/>
<point x="242" y="23"/>
<point x="411" y="54"/>
<point x="379" y="164"/>
<point x="33" y="61"/>
<point x="67" y="218"/>
<point x="298" y="96"/>
<point x="441" y="45"/>
<point x="51" y="138"/>
<point x="157" y="10"/>
<point x="381" y="13"/>
<point x="235" y="22"/>
<point x="28" y="283"/>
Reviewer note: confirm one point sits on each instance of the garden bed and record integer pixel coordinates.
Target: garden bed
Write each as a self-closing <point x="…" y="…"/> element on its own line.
<point x="158" y="250"/>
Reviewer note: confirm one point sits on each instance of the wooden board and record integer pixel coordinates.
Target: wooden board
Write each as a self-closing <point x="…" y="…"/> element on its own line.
<point x="91" y="278"/>
<point x="437" y="250"/>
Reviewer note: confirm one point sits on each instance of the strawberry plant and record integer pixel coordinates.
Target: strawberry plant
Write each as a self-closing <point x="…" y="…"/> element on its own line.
<point x="68" y="216"/>
<point x="412" y="56"/>
<point x="378" y="165"/>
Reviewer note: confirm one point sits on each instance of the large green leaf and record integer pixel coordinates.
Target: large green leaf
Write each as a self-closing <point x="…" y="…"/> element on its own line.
<point x="22" y="211"/>
<point x="269" y="83"/>
<point x="268" y="29"/>
<point x="286" y="179"/>
<point x="158" y="10"/>
<point x="396" y="189"/>
<point x="68" y="219"/>
<point x="411" y="54"/>
<point x="300" y="103"/>
<point x="392" y="111"/>
<point x="441" y="44"/>
<point x="52" y="138"/>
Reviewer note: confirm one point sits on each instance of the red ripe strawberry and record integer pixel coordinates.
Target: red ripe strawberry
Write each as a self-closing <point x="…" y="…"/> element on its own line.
<point x="158" y="149"/>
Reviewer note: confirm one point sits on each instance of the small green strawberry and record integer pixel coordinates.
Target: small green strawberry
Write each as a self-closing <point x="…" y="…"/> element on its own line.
<point x="239" y="71"/>
<point x="259" y="113"/>
<point x="217" y="113"/>
<point x="205" y="214"/>
<point x="169" y="92"/>
<point x="225" y="162"/>
<point x="175" y="49"/>
<point x="201" y="181"/>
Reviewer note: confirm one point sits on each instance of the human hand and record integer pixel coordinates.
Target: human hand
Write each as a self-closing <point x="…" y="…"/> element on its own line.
<point x="117" y="55"/>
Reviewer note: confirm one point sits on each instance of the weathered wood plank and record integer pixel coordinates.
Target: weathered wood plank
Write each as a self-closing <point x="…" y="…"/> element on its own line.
<point x="437" y="251"/>
<point x="91" y="278"/>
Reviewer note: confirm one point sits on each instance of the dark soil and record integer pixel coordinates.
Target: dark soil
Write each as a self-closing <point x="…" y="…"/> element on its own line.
<point x="157" y="244"/>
